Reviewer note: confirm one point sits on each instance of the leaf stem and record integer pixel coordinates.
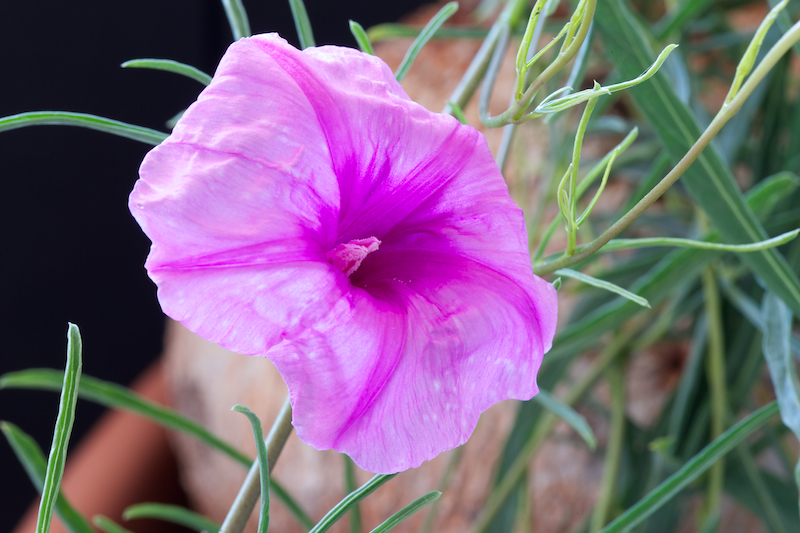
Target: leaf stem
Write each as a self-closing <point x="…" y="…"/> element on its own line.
<point x="616" y="439"/>
<point x="725" y="114"/>
<point x="715" y="370"/>
<point x="251" y="488"/>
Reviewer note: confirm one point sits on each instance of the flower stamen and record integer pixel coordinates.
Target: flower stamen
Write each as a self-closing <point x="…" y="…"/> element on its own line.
<point x="348" y="256"/>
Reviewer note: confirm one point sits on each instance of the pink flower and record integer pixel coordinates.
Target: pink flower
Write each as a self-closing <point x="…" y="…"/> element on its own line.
<point x="304" y="209"/>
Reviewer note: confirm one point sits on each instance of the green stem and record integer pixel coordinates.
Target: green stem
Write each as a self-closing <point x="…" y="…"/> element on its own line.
<point x="725" y="114"/>
<point x="616" y="438"/>
<point x="350" y="486"/>
<point x="513" y="113"/>
<point x="477" y="68"/>
<point x="250" y="491"/>
<point x="715" y="369"/>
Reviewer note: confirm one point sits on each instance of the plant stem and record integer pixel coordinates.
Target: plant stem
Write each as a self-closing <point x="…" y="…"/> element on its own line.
<point x="250" y="492"/>
<point x="715" y="370"/>
<point x="602" y="509"/>
<point x="725" y="114"/>
<point x="476" y="70"/>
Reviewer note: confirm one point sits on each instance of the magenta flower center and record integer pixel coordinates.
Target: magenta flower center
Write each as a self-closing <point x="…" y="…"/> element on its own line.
<point x="348" y="256"/>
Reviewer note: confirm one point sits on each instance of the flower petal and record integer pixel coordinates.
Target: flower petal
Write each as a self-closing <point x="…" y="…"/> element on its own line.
<point x="287" y="159"/>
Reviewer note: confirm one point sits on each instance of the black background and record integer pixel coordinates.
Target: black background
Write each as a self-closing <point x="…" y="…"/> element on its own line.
<point x="70" y="249"/>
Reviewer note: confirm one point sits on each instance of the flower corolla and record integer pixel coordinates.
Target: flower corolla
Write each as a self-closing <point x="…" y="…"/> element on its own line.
<point x="306" y="210"/>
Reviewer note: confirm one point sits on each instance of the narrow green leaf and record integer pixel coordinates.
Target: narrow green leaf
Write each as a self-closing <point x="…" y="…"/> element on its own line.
<point x="777" y="351"/>
<point x="568" y="415"/>
<point x="350" y="486"/>
<point x="170" y="66"/>
<point x="351" y="499"/>
<point x="709" y="181"/>
<point x="33" y="461"/>
<point x="108" y="526"/>
<point x="407" y="511"/>
<point x="303" y="24"/>
<point x="171" y="513"/>
<point x="692" y="469"/>
<point x="237" y="18"/>
<point x="776" y="344"/>
<point x="119" y="397"/>
<point x="82" y="120"/>
<point x="601" y="284"/>
<point x="362" y="39"/>
<point x="391" y="30"/>
<point x="424" y="36"/>
<point x="263" y="465"/>
<point x="64" y="422"/>
<point x="457" y="112"/>
<point x="626" y="244"/>
<point x="291" y="504"/>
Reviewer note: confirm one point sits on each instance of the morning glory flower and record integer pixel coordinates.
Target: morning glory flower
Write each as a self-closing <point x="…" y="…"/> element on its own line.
<point x="306" y="210"/>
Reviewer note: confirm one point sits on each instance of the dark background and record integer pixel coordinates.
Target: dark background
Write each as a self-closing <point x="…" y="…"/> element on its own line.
<point x="70" y="249"/>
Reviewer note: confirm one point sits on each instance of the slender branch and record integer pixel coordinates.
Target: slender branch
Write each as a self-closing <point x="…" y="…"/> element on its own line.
<point x="250" y="492"/>
<point x="725" y="114"/>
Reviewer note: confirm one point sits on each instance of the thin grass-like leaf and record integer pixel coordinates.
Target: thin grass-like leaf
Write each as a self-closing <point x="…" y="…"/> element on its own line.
<point x="709" y="181"/>
<point x="171" y="513"/>
<point x="424" y="36"/>
<point x="170" y="66"/>
<point x="64" y="422"/>
<point x="568" y="415"/>
<point x="696" y="466"/>
<point x="351" y="499"/>
<point x="237" y="18"/>
<point x="776" y="345"/>
<point x="627" y="244"/>
<point x="263" y="465"/>
<point x="106" y="525"/>
<point x="601" y="284"/>
<point x="349" y="486"/>
<point x="82" y="120"/>
<point x="407" y="511"/>
<point x="361" y="37"/>
<point x="118" y="397"/>
<point x="33" y="461"/>
<point x="302" y="24"/>
<point x="392" y="30"/>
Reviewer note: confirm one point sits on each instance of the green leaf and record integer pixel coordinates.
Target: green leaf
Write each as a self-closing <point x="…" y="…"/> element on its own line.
<point x="108" y="526"/>
<point x="407" y="511"/>
<point x="263" y="465"/>
<point x="361" y="37"/>
<point x="351" y="499"/>
<point x="237" y="18"/>
<point x="82" y="120"/>
<point x="708" y="180"/>
<point x="171" y="513"/>
<point x="64" y="422"/>
<point x="600" y="284"/>
<point x="627" y="244"/>
<point x="777" y="319"/>
<point x="696" y="466"/>
<point x="778" y="353"/>
<point x="568" y="415"/>
<point x="303" y="24"/>
<point x="424" y="36"/>
<point x="170" y="66"/>
<point x="33" y="461"/>
<point x="119" y="397"/>
<point x="350" y="486"/>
